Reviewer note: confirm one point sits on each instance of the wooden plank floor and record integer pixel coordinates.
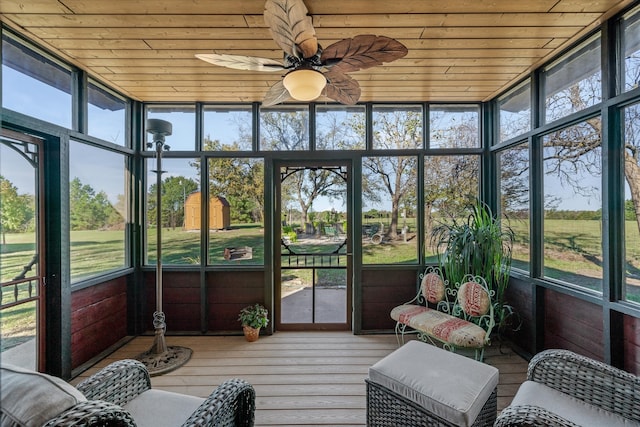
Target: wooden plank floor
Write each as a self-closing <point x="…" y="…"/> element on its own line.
<point x="300" y="378"/>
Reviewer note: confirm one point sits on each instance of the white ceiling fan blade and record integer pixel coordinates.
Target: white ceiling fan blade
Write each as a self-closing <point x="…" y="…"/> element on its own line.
<point x="276" y="94"/>
<point x="240" y="62"/>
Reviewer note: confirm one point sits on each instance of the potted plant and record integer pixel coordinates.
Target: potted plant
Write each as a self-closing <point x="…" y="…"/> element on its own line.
<point x="252" y="318"/>
<point x="480" y="245"/>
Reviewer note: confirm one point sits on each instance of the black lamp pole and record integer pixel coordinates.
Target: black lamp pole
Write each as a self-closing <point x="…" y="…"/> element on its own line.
<point x="160" y="358"/>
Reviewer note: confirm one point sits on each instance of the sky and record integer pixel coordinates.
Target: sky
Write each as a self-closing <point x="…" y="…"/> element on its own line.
<point x="26" y="95"/>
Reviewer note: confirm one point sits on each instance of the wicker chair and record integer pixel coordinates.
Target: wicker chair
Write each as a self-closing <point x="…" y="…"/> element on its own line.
<point x="579" y="391"/>
<point x="121" y="395"/>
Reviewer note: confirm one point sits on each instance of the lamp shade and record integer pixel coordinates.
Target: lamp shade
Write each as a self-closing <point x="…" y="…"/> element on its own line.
<point x="159" y="127"/>
<point x="304" y="84"/>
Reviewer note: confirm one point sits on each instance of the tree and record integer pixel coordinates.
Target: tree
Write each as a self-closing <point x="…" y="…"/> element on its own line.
<point x="16" y="210"/>
<point x="90" y="211"/>
<point x="395" y="176"/>
<point x="335" y="130"/>
<point x="239" y="179"/>
<point x="175" y="190"/>
<point x="288" y="130"/>
<point x="514" y="180"/>
<point x="629" y="211"/>
<point x="632" y="156"/>
<point x="450" y="183"/>
<point x="308" y="184"/>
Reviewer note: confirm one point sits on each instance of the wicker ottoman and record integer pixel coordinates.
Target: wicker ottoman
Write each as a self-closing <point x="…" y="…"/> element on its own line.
<point x="423" y="385"/>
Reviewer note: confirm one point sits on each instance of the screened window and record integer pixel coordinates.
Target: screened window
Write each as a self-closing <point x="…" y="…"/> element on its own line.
<point x="574" y="82"/>
<point x="397" y="127"/>
<point x="573" y="205"/>
<point x="227" y="128"/>
<point x="107" y="114"/>
<point x="450" y="184"/>
<point x="454" y="126"/>
<point x="236" y="211"/>
<point x="632" y="202"/>
<point x="389" y="206"/>
<point x="284" y="128"/>
<point x="98" y="206"/>
<point x="513" y="175"/>
<point x="34" y="84"/>
<point x="340" y="127"/>
<point x="515" y="112"/>
<point x="631" y="50"/>
<point x="19" y="214"/>
<point x="183" y="123"/>
<point x="180" y="213"/>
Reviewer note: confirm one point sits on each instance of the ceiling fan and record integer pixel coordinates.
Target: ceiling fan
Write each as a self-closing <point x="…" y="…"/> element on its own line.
<point x="311" y="70"/>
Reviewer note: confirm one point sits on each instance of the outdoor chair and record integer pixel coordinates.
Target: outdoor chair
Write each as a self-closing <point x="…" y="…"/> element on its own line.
<point x="567" y="389"/>
<point x="118" y="395"/>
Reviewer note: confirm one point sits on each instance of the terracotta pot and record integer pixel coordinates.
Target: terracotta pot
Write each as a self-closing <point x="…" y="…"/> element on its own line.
<point x="251" y="334"/>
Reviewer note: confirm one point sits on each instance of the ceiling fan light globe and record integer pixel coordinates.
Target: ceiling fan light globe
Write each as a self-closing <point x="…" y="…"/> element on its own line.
<point x="304" y="84"/>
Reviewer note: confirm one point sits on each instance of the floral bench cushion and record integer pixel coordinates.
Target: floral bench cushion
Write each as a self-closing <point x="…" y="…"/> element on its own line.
<point x="433" y="288"/>
<point x="473" y="299"/>
<point x="442" y="326"/>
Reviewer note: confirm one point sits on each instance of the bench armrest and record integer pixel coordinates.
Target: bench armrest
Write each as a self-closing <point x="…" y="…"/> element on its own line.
<point x="586" y="379"/>
<point x="117" y="383"/>
<point x="230" y="404"/>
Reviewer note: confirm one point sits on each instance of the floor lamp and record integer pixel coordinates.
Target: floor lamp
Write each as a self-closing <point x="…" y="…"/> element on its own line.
<point x="161" y="358"/>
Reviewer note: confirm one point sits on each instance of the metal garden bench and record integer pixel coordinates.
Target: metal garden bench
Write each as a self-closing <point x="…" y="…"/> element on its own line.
<point x="455" y="317"/>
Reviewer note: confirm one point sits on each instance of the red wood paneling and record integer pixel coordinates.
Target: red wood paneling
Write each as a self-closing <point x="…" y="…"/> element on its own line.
<point x="98" y="319"/>
<point x="181" y="300"/>
<point x="573" y="324"/>
<point x="228" y="292"/>
<point x="631" y="343"/>
<point x="381" y="291"/>
<point x="519" y="295"/>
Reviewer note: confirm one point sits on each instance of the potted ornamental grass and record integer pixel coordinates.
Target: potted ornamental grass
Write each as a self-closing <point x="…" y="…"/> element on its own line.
<point x="252" y="318"/>
<point x="478" y="244"/>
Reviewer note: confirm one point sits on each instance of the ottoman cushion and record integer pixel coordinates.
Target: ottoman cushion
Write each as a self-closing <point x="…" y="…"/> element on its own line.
<point x="448" y="385"/>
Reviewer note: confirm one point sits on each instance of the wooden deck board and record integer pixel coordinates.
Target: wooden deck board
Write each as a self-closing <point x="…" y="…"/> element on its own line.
<point x="300" y="378"/>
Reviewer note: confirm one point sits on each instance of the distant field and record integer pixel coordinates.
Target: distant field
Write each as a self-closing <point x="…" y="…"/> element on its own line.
<point x="572" y="251"/>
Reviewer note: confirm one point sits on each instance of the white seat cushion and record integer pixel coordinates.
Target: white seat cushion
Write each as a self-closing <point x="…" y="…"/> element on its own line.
<point x="157" y="408"/>
<point x="567" y="407"/>
<point x="446" y="384"/>
<point x="30" y="398"/>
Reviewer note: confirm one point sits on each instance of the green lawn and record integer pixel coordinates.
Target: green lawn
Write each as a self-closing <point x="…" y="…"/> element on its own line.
<point x="572" y="251"/>
<point x="17" y="325"/>
<point x="183" y="247"/>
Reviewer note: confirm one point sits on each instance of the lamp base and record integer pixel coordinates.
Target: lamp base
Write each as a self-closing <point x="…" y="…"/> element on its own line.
<point x="158" y="364"/>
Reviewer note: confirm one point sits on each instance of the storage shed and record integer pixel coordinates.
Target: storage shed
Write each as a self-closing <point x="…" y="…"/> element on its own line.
<point x="219" y="212"/>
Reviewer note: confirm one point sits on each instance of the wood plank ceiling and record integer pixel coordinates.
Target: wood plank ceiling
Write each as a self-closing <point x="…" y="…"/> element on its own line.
<point x="459" y="50"/>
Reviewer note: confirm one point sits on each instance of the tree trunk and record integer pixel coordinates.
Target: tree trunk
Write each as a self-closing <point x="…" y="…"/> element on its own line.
<point x="632" y="174"/>
<point x="392" y="233"/>
<point x="428" y="224"/>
